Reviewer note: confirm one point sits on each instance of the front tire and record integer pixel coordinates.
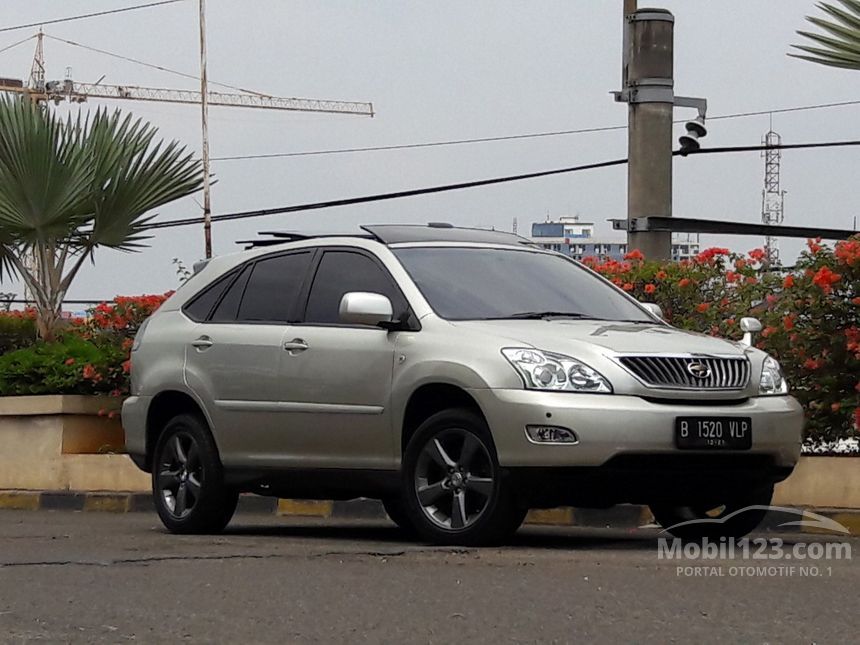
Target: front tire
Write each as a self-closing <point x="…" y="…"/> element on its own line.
<point x="188" y="479"/>
<point x="715" y="521"/>
<point x="454" y="491"/>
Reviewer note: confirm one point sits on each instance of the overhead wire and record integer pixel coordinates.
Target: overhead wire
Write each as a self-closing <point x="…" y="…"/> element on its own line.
<point x="530" y="135"/>
<point x="96" y="14"/>
<point x="20" y="42"/>
<point x="152" y="65"/>
<point x="477" y="183"/>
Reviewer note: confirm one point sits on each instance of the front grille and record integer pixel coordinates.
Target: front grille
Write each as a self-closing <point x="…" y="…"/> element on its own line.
<point x="690" y="372"/>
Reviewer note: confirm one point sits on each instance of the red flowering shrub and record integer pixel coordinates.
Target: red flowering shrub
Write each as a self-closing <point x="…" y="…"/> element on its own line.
<point x="90" y="356"/>
<point x="17" y="329"/>
<point x="115" y="323"/>
<point x="125" y="314"/>
<point x="810" y="316"/>
<point x="817" y="338"/>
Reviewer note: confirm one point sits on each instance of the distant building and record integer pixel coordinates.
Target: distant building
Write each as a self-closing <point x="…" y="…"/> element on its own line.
<point x="572" y="237"/>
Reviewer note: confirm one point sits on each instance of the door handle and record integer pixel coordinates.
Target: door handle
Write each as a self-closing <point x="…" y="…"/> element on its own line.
<point x="295" y="346"/>
<point x="202" y="343"/>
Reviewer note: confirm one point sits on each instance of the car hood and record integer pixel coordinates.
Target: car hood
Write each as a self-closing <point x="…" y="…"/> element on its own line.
<point x="568" y="336"/>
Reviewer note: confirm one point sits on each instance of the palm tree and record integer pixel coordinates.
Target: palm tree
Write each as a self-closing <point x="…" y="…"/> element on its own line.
<point x="68" y="187"/>
<point x="842" y="47"/>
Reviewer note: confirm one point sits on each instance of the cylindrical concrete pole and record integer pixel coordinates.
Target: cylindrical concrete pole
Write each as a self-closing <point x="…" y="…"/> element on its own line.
<point x="650" y="67"/>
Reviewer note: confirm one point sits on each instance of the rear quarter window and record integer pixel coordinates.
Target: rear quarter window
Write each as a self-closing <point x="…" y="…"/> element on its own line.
<point x="199" y="307"/>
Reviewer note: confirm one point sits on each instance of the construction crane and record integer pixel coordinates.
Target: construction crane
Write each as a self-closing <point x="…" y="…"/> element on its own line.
<point x="74" y="92"/>
<point x="40" y="90"/>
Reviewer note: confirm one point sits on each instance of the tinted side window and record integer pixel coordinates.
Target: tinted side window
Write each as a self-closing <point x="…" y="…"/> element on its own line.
<point x="200" y="306"/>
<point x="340" y="272"/>
<point x="228" y="309"/>
<point x="273" y="288"/>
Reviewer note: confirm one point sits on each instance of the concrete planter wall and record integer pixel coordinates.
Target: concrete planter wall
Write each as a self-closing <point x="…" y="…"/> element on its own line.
<point x="59" y="442"/>
<point x="55" y="443"/>
<point x="823" y="482"/>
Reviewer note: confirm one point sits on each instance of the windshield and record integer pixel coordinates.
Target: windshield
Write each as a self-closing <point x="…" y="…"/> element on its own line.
<point x="463" y="283"/>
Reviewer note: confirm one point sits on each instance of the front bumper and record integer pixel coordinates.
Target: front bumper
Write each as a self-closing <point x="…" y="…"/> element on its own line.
<point x="614" y="426"/>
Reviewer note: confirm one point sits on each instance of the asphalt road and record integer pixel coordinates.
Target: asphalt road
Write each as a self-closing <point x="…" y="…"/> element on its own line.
<point x="93" y="577"/>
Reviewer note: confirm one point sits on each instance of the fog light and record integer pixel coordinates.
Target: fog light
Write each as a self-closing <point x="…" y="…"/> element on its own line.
<point x="550" y="434"/>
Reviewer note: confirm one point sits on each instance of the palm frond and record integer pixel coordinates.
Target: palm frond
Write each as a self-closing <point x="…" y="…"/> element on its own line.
<point x="44" y="173"/>
<point x="824" y="61"/>
<point x="7" y="266"/>
<point x="850" y="18"/>
<point x="841" y="48"/>
<point x="134" y="177"/>
<point x="830" y="55"/>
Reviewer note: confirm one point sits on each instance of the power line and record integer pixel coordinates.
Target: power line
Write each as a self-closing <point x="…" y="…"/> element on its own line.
<point x="195" y="77"/>
<point x="799" y="108"/>
<point x="20" y="42"/>
<point x="430" y="144"/>
<point x="512" y="137"/>
<point x="384" y="196"/>
<point x="89" y="15"/>
<point x="782" y="146"/>
<point x="474" y="184"/>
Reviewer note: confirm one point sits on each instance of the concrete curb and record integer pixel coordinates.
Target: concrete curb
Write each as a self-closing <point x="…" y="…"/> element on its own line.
<point x="625" y="516"/>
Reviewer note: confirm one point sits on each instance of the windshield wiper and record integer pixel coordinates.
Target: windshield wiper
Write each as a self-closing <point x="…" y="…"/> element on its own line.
<point x="540" y="315"/>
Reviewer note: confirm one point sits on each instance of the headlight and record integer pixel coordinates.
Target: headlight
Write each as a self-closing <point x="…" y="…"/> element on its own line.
<point x="772" y="379"/>
<point x="547" y="371"/>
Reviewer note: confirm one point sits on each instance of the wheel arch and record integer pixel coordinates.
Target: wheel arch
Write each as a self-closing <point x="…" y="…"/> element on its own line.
<point x="427" y="400"/>
<point x="164" y="406"/>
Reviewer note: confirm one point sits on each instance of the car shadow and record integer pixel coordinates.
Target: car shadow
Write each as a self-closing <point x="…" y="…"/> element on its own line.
<point x="381" y="531"/>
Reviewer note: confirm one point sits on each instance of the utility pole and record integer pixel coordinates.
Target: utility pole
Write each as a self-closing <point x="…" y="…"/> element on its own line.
<point x="629" y="7"/>
<point x="650" y="85"/>
<point x="648" y="88"/>
<point x="204" y="104"/>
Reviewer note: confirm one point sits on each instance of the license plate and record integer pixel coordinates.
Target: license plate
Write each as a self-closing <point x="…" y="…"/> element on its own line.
<point x="722" y="433"/>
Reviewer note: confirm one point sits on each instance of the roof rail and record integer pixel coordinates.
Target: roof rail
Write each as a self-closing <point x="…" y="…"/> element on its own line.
<point x="284" y="237"/>
<point x="397" y="233"/>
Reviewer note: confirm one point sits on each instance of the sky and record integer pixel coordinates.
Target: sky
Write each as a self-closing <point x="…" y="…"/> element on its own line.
<point x="450" y="70"/>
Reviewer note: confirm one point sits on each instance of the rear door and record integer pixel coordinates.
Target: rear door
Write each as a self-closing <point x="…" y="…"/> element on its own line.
<point x="233" y="360"/>
<point x="336" y="384"/>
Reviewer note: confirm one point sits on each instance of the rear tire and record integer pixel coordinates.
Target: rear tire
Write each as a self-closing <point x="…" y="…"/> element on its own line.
<point x="188" y="479"/>
<point x="727" y="525"/>
<point x="454" y="491"/>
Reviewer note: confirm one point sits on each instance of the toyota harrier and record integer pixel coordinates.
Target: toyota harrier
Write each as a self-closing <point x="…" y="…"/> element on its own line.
<point x="461" y="376"/>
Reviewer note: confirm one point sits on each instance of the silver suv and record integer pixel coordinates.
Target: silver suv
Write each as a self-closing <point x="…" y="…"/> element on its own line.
<point x="461" y="376"/>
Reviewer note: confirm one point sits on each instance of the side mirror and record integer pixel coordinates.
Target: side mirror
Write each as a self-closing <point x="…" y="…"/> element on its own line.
<point x="750" y="327"/>
<point x="364" y="308"/>
<point x="653" y="309"/>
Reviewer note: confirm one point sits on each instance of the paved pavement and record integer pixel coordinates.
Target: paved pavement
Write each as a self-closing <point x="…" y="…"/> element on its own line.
<point x="113" y="578"/>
